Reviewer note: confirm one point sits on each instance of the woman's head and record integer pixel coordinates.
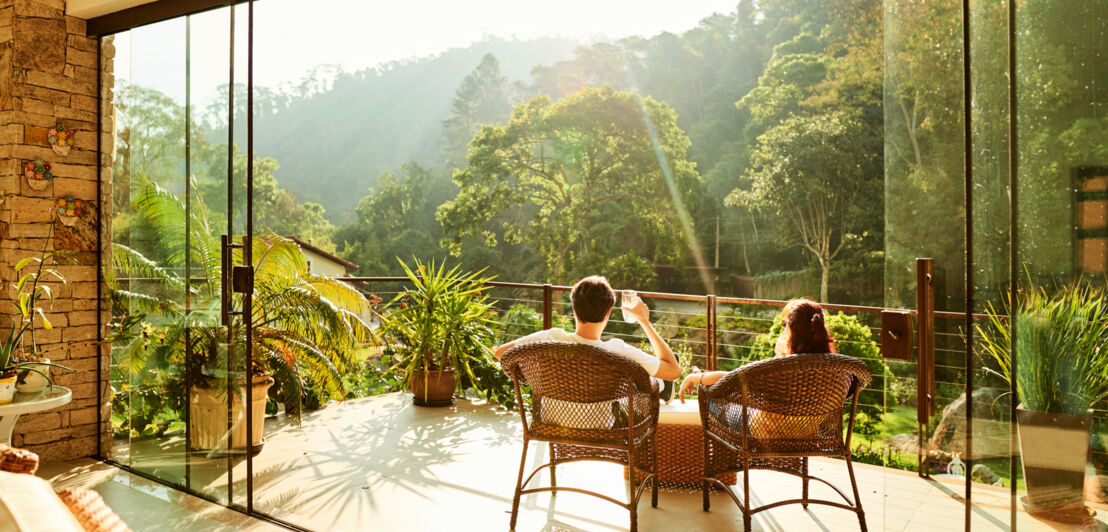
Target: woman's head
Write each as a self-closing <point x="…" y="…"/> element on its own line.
<point x="805" y="330"/>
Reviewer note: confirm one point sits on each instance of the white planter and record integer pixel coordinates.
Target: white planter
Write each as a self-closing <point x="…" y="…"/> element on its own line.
<point x="33" y="382"/>
<point x="208" y="418"/>
<point x="7" y="389"/>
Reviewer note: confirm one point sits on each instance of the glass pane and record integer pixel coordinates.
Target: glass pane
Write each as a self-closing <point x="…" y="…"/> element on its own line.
<point x="148" y="251"/>
<point x="1060" y="62"/>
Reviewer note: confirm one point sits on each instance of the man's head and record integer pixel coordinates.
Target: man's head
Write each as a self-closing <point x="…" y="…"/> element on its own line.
<point x="592" y="299"/>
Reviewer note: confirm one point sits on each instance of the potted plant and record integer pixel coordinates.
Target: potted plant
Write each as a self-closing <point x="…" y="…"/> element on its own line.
<point x="1061" y="342"/>
<point x="440" y="326"/>
<point x="29" y="293"/>
<point x="305" y="326"/>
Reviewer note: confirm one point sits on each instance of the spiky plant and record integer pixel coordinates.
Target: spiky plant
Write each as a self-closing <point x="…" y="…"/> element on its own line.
<point x="443" y="321"/>
<point x="1061" y="345"/>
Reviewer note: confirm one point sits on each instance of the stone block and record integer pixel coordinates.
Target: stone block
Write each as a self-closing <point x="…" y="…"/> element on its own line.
<point x="36" y="135"/>
<point x="81" y="58"/>
<point x="76" y="114"/>
<point x="83" y="103"/>
<point x="60" y="82"/>
<point x="32" y="105"/>
<point x="76" y="334"/>
<point x="77" y="274"/>
<point x="82" y="416"/>
<point x="84" y="291"/>
<point x="79" y="41"/>
<point x="31" y="210"/>
<point x="74" y="171"/>
<point x="56" y="320"/>
<point x="38" y="43"/>
<point x="45" y="436"/>
<point x="54" y="96"/>
<point x="64" y="450"/>
<point x="36" y="422"/>
<point x="50" y="9"/>
<point x="74" y="25"/>
<point x="82" y="317"/>
<point x="83" y="188"/>
<point x="11" y="134"/>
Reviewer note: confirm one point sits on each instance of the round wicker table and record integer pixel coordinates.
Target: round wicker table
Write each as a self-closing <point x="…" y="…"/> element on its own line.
<point x="26" y="403"/>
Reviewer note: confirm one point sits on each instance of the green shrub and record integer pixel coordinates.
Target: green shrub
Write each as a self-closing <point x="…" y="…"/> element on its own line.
<point x="852" y="338"/>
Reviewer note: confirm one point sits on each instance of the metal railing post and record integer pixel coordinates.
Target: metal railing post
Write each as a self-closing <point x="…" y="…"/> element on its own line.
<point x="710" y="331"/>
<point x="547" y="306"/>
<point x="925" y="360"/>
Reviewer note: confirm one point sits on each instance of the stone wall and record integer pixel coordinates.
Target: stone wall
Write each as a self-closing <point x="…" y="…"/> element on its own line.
<point x="48" y="76"/>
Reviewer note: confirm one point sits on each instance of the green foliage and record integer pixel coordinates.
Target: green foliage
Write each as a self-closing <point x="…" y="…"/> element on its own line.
<point x="305" y="326"/>
<point x="1062" y="345"/>
<point x="33" y="296"/>
<point x="852" y="338"/>
<point x="483" y="97"/>
<point x="557" y="170"/>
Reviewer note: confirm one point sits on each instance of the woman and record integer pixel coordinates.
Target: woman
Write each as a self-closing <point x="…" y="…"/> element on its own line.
<point x="804" y="332"/>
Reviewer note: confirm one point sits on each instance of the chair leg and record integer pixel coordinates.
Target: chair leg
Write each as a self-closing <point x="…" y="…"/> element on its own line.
<point x="553" y="473"/>
<point x="519" y="485"/>
<point x="654" y="465"/>
<point x="632" y="501"/>
<point x="804" y="471"/>
<point x="746" y="497"/>
<point x="706" y="486"/>
<point x="857" y="499"/>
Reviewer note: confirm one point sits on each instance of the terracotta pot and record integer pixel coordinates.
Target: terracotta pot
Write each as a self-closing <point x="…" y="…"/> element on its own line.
<point x="33" y="382"/>
<point x="208" y="417"/>
<point x="433" y="388"/>
<point x="1053" y="450"/>
<point x="7" y="388"/>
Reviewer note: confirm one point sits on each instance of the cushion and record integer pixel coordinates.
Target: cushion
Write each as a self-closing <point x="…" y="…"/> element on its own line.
<point x="15" y="460"/>
<point x="28" y="504"/>
<point x="89" y="509"/>
<point x="676" y="413"/>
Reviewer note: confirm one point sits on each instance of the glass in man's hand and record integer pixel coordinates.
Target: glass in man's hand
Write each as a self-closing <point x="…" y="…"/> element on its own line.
<point x="628" y="301"/>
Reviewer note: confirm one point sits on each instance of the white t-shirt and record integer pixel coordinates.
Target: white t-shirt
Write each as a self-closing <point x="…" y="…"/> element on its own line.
<point x="567" y="414"/>
<point x="649" y="362"/>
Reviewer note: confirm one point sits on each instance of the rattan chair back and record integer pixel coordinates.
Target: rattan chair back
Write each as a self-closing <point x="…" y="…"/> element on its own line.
<point x="576" y="385"/>
<point x="588" y="404"/>
<point x="774" y="414"/>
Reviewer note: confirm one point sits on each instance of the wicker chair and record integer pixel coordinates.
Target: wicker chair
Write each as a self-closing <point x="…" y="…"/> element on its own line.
<point x="579" y="398"/>
<point x="774" y="414"/>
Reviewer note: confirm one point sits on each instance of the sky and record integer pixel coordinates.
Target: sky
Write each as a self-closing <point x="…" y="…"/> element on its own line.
<point x="290" y="40"/>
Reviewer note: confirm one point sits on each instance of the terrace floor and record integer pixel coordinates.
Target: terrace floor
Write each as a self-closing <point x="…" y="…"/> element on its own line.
<point x="380" y="463"/>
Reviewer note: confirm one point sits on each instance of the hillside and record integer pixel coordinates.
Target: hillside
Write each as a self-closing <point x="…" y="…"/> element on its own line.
<point x="376" y="120"/>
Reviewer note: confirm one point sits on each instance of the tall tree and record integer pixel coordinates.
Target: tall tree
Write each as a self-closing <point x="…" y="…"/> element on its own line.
<point x="483" y="97"/>
<point x="816" y="172"/>
<point x="583" y="180"/>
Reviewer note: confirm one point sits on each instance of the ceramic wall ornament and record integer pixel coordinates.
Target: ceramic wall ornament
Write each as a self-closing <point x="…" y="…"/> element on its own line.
<point x="60" y="139"/>
<point x="70" y="210"/>
<point x="74" y="224"/>
<point x="38" y="174"/>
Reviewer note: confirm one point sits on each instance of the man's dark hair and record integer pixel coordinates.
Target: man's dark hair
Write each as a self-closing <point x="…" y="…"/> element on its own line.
<point x="592" y="299"/>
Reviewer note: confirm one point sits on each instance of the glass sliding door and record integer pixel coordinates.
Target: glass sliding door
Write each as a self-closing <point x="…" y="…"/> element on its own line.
<point x="179" y="327"/>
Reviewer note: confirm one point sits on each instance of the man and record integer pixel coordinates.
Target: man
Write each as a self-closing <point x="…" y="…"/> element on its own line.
<point x="593" y="300"/>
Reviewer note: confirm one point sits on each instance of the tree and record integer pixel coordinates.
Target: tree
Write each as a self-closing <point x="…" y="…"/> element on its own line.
<point x="594" y="176"/>
<point x="817" y="173"/>
<point x="483" y="97"/>
<point x="397" y="220"/>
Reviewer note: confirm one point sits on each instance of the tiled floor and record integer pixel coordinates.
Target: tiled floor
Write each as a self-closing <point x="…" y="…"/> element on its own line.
<point x="381" y="464"/>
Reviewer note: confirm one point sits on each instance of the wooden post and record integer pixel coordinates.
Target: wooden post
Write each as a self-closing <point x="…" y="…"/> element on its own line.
<point x="547" y="306"/>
